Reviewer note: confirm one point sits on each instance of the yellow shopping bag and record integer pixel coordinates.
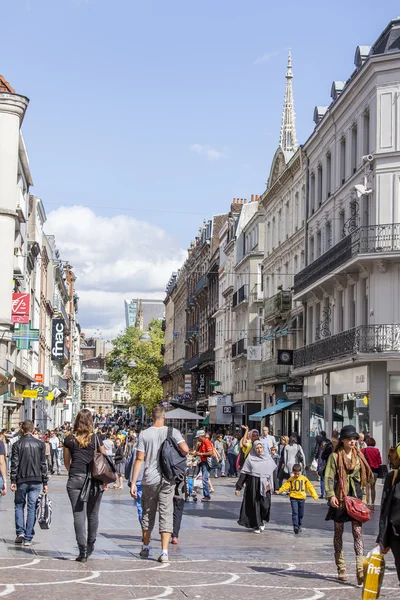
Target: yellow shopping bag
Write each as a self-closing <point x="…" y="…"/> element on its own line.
<point x="374" y="568"/>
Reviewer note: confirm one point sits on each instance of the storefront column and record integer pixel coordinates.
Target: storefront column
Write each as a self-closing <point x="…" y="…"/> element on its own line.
<point x="379" y="406"/>
<point x="328" y="414"/>
<point x="305" y="426"/>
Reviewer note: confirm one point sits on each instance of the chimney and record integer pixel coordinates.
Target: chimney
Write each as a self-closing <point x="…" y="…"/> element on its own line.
<point x="252" y="198"/>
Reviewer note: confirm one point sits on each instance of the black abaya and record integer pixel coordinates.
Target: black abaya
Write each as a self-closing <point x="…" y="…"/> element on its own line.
<point x="255" y="508"/>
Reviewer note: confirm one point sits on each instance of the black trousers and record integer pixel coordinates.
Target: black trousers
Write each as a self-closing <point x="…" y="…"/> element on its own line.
<point x="179" y="504"/>
<point x="84" y="510"/>
<point x="395" y="548"/>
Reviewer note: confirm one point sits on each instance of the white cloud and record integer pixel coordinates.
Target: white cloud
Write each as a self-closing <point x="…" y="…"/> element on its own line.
<point x="208" y="151"/>
<point x="115" y="259"/>
<point x="265" y="57"/>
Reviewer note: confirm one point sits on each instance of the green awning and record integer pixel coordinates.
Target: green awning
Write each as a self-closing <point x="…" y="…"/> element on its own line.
<point x="206" y="421"/>
<point x="272" y="410"/>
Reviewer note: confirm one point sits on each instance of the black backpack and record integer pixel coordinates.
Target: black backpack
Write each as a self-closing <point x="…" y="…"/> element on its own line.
<point x="172" y="462"/>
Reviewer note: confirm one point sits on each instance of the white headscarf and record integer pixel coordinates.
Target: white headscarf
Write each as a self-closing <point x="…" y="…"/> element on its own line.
<point x="262" y="466"/>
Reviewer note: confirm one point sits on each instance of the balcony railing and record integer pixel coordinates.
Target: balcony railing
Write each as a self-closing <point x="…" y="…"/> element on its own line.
<point x="270" y="370"/>
<point x="364" y="339"/>
<point x="239" y="348"/>
<point x="191" y="363"/>
<point x="372" y="239"/>
<point x="277" y="305"/>
<point x="242" y="295"/>
<point x="201" y="284"/>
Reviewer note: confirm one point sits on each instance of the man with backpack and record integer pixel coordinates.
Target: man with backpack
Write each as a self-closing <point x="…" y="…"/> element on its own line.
<point x="159" y="449"/>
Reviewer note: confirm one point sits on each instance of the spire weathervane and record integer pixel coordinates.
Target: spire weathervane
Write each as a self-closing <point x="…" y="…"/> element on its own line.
<point x="288" y="141"/>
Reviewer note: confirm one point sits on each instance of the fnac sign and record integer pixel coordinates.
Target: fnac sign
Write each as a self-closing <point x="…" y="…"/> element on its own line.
<point x="57" y="339"/>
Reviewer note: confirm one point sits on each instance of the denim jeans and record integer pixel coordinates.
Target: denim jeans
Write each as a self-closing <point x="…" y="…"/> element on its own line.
<point x="232" y="458"/>
<point x="221" y="465"/>
<point x="138" y="501"/>
<point x="206" y="475"/>
<point x="297" y="511"/>
<point x="322" y="482"/>
<point x="27" y="493"/>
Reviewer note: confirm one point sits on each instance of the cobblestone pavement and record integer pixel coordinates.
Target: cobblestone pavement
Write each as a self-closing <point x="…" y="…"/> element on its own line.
<point x="215" y="557"/>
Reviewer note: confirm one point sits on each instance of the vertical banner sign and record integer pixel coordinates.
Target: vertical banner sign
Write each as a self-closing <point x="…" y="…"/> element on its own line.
<point x="201" y="387"/>
<point x="188" y="384"/>
<point x="20" y="308"/>
<point x="57" y="340"/>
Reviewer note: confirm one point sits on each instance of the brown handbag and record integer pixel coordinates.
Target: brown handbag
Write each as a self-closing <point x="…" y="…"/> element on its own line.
<point x="103" y="467"/>
<point x="355" y="508"/>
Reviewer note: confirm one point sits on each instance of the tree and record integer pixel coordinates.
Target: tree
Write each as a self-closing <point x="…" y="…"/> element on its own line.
<point x="144" y="384"/>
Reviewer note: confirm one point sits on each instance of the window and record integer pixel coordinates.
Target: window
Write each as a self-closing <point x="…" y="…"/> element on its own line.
<point x="287" y="219"/>
<point x="340" y="312"/>
<point x="319" y="183"/>
<point x="311" y="250"/>
<point x="312" y="192"/>
<point x="262" y="277"/>
<point x="366" y="133"/>
<point x="354" y="140"/>
<point x="302" y="259"/>
<point x="318" y="321"/>
<point x="273" y="232"/>
<point x="319" y="244"/>
<point x="352" y="306"/>
<point x="343" y="160"/>
<point x="342" y="232"/>
<point x="310" y="332"/>
<point x="364" y="301"/>
<point x="328" y="236"/>
<point x="281" y="232"/>
<point x="295" y="264"/>
<point x="296" y="210"/>
<point x="328" y="174"/>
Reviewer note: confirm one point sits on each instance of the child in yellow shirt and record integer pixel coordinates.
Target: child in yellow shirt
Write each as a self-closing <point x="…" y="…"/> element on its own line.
<point x="297" y="486"/>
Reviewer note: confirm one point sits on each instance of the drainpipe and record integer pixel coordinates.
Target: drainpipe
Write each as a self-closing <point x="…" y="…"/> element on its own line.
<point x="307" y="204"/>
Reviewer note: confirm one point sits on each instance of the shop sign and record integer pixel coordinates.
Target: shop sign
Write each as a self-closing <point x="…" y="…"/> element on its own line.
<point x="57" y="340"/>
<point x="188" y="384"/>
<point x="39" y="377"/>
<point x="349" y="381"/>
<point x="29" y="394"/>
<point x="201" y="387"/>
<point x="292" y="387"/>
<point x="20" y="308"/>
<point x="314" y="386"/>
<point x="227" y="410"/>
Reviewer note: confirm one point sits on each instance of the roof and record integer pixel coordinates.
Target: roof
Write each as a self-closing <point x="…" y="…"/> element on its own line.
<point x="183" y="415"/>
<point x="5" y="86"/>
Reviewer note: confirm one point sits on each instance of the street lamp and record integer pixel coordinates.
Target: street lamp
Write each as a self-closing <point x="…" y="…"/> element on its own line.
<point x="132" y="364"/>
<point x="145" y="337"/>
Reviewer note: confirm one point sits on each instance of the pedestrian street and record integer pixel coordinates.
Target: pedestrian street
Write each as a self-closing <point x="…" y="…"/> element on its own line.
<point x="215" y="557"/>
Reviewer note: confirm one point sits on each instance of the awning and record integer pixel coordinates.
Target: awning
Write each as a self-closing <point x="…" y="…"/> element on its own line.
<point x="206" y="421"/>
<point x="272" y="410"/>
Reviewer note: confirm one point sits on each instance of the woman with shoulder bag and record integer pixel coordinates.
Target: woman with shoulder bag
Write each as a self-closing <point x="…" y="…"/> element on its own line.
<point x="84" y="492"/>
<point x="293" y="454"/>
<point x="347" y="475"/>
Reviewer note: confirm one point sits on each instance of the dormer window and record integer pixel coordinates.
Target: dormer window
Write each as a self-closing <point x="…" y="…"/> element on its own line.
<point x="361" y="55"/>
<point x="337" y="89"/>
<point x="319" y="113"/>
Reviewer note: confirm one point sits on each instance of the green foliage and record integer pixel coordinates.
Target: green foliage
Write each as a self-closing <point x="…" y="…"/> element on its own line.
<point x="144" y="385"/>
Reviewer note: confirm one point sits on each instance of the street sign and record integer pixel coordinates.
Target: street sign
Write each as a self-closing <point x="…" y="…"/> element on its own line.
<point x="40" y="390"/>
<point x="39" y="377"/>
<point x="215" y="383"/>
<point x="29" y="394"/>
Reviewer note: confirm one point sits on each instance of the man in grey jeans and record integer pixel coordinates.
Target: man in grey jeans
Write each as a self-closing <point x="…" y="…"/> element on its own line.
<point x="156" y="491"/>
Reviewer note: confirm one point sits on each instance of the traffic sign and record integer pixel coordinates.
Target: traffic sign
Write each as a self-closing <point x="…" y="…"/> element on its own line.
<point x="39" y="377"/>
<point x="214" y="383"/>
<point x="29" y="394"/>
<point x="40" y="390"/>
<point x="50" y="397"/>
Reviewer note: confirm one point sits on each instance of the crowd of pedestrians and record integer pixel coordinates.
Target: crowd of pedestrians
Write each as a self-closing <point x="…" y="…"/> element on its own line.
<point x="162" y="472"/>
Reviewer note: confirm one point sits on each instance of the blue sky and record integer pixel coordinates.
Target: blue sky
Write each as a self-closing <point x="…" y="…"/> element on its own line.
<point x="120" y="92"/>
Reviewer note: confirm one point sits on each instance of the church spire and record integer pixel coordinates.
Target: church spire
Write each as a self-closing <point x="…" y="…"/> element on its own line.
<point x="288" y="141"/>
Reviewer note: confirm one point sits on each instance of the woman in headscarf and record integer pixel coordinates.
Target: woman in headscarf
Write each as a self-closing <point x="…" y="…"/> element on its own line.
<point x="258" y="475"/>
<point x="348" y="464"/>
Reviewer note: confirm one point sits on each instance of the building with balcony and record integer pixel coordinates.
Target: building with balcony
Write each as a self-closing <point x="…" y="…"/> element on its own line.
<point x="349" y="283"/>
<point x="282" y="205"/>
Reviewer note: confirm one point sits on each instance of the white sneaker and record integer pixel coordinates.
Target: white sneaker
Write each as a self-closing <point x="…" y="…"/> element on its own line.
<point x="163" y="558"/>
<point x="262" y="527"/>
<point x="258" y="530"/>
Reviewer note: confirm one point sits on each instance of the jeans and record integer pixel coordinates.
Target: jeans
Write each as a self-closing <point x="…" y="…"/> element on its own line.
<point x="232" y="458"/>
<point x="54" y="457"/>
<point x="322" y="482"/>
<point x="82" y="510"/>
<point x="297" y="511"/>
<point x="221" y="465"/>
<point x="206" y="475"/>
<point x="27" y="493"/>
<point x="138" y="501"/>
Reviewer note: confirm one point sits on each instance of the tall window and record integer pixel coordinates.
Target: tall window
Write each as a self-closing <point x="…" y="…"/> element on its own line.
<point x="296" y="210"/>
<point x="311" y="251"/>
<point x="340" y="311"/>
<point x="328" y="236"/>
<point x="287" y="219"/>
<point x="280" y="224"/>
<point x="364" y="301"/>
<point x="295" y="264"/>
<point x="319" y="244"/>
<point x="366" y="124"/>
<point x="352" y="306"/>
<point x="328" y="174"/>
<point x="312" y="192"/>
<point x="354" y="140"/>
<point x="319" y="182"/>
<point x="342" y="233"/>
<point x="273" y="232"/>
<point x="342" y="160"/>
<point x="310" y="323"/>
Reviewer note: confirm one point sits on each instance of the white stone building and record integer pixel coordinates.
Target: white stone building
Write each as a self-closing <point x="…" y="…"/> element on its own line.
<point x="349" y="287"/>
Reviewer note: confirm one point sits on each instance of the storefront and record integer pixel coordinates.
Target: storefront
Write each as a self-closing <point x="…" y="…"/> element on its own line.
<point x="349" y="389"/>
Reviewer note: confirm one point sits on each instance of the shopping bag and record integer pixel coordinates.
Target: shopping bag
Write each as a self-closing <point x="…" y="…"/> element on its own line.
<point x="374" y="568"/>
<point x="198" y="481"/>
<point x="314" y="465"/>
<point x="44" y="511"/>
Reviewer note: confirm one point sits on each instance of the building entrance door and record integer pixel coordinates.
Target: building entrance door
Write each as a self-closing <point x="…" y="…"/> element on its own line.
<point x="394" y="419"/>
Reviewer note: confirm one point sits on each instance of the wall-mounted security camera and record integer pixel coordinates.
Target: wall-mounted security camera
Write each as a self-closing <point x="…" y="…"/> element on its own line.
<point x="368" y="158"/>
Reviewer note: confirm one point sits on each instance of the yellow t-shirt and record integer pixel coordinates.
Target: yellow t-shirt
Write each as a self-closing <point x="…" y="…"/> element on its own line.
<point x="297" y="488"/>
<point x="246" y="448"/>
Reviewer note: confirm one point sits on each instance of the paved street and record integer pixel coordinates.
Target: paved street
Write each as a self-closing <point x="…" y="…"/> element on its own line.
<point x="215" y="557"/>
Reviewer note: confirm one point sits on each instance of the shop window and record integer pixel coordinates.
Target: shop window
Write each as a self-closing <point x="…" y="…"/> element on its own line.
<point x="317" y="418"/>
<point x="351" y="409"/>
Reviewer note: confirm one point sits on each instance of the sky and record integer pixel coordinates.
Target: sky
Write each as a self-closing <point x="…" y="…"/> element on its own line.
<point x="147" y="117"/>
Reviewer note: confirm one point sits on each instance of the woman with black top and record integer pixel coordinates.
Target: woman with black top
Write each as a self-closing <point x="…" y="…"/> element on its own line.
<point x="79" y="448"/>
<point x="119" y="459"/>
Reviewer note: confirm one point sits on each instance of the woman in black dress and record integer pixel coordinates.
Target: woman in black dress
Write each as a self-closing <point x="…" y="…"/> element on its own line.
<point x="258" y="475"/>
<point x="79" y="448"/>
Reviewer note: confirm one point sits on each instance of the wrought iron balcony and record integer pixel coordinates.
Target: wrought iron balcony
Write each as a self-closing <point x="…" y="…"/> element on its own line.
<point x="201" y="285"/>
<point x="242" y="295"/>
<point x="365" y="339"/>
<point x="239" y="348"/>
<point x="270" y="370"/>
<point x="277" y="305"/>
<point x="372" y="239"/>
<point x="191" y="363"/>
